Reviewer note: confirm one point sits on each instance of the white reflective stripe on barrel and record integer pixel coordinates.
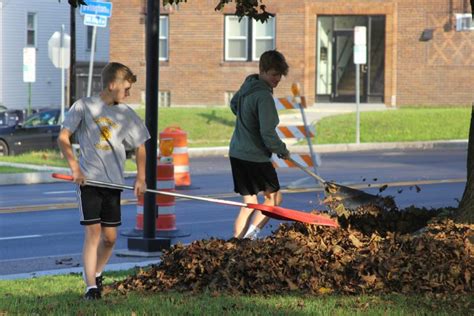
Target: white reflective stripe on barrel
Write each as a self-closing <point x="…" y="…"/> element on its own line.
<point x="180" y="150"/>
<point x="181" y="169"/>
<point x="139" y="209"/>
<point x="165" y="210"/>
<point x="165" y="184"/>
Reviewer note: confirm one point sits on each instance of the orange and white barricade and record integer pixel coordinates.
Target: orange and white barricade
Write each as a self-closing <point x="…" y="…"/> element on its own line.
<point x="303" y="159"/>
<point x="289" y="103"/>
<point x="296" y="132"/>
<point x="182" y="176"/>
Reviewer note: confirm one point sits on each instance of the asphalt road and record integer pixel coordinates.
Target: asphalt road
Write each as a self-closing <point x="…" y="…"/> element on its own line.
<point x="39" y="227"/>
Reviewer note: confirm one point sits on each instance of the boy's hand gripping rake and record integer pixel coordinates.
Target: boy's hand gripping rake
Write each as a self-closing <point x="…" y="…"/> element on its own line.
<point x="270" y="211"/>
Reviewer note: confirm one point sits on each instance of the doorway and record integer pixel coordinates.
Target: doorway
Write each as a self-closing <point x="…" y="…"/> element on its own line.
<point x="335" y="81"/>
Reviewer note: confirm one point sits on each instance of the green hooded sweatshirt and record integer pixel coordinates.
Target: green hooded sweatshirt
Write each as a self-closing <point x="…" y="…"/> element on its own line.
<point x="254" y="138"/>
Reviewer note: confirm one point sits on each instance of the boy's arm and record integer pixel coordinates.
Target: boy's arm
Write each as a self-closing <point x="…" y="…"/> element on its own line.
<point x="140" y="157"/>
<point x="64" y="143"/>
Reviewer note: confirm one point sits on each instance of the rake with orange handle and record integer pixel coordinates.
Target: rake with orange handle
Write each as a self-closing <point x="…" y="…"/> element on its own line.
<point x="270" y="211"/>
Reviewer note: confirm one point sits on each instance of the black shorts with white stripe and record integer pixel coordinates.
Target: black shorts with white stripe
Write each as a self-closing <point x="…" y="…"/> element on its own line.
<point x="99" y="206"/>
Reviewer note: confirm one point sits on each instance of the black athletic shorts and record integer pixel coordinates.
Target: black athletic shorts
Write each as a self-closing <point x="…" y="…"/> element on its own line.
<point x="250" y="177"/>
<point x="99" y="206"/>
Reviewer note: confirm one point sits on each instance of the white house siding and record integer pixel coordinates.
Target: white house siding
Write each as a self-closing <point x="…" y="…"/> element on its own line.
<point x="50" y="16"/>
<point x="1" y="51"/>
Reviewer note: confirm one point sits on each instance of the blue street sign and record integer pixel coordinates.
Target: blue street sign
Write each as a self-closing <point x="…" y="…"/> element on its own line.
<point x="97" y="8"/>
<point x="95" y="20"/>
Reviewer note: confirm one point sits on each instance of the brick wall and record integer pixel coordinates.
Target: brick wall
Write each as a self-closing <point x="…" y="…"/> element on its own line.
<point x="440" y="71"/>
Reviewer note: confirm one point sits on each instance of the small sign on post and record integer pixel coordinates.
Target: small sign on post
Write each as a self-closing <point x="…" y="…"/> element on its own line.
<point x="95" y="15"/>
<point x="360" y="57"/>
<point x="95" y="20"/>
<point x="29" y="70"/>
<point x="29" y="64"/>
<point x="360" y="45"/>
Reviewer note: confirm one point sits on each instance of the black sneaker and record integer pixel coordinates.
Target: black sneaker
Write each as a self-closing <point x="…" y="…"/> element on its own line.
<point x="99" y="282"/>
<point x="92" y="294"/>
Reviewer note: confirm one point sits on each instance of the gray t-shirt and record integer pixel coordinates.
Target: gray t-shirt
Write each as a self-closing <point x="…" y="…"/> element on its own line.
<point x="104" y="132"/>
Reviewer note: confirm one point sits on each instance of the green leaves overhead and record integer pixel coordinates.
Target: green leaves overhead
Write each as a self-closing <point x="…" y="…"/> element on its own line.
<point x="252" y="8"/>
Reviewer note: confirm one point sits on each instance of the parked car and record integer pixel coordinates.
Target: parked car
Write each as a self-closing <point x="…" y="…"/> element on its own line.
<point x="38" y="132"/>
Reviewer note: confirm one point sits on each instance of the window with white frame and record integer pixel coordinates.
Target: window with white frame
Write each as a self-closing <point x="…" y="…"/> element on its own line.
<point x="246" y="40"/>
<point x="31" y="29"/>
<point x="164" y="35"/>
<point x="164" y="99"/>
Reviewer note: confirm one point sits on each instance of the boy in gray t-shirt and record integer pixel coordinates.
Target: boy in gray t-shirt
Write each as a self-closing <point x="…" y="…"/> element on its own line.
<point x="104" y="128"/>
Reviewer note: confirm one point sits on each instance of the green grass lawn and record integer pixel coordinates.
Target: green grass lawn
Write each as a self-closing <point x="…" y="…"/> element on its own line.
<point x="7" y="169"/>
<point x="62" y="295"/>
<point x="205" y="127"/>
<point x="47" y="158"/>
<point x="405" y="124"/>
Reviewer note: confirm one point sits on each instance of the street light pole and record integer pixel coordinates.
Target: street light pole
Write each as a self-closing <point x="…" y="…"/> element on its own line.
<point x="149" y="243"/>
<point x="72" y="65"/>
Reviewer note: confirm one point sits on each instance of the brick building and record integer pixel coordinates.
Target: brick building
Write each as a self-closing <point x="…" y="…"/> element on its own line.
<point x="416" y="52"/>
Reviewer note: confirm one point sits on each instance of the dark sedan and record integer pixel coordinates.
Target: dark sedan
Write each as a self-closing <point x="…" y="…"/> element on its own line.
<point x="38" y="132"/>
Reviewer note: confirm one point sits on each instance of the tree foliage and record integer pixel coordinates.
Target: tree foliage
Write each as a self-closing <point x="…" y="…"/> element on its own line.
<point x="252" y="8"/>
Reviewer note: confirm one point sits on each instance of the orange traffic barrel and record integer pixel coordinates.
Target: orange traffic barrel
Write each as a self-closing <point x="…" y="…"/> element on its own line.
<point x="180" y="154"/>
<point x="166" y="219"/>
<point x="165" y="224"/>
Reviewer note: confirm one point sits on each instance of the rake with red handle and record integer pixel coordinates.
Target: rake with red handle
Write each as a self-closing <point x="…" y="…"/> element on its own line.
<point x="270" y="211"/>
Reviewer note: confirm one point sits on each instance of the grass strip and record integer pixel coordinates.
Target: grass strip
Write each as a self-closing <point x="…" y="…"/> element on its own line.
<point x="7" y="169"/>
<point x="62" y="295"/>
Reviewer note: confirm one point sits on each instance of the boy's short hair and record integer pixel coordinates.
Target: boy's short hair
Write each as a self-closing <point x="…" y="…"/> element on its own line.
<point x="273" y="59"/>
<point x="116" y="71"/>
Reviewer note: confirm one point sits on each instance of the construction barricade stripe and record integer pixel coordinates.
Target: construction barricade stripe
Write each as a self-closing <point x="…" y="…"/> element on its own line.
<point x="303" y="159"/>
<point x="298" y="132"/>
<point x="289" y="103"/>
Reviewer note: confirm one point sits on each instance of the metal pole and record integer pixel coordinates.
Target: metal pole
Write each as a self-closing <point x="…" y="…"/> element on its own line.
<point x="308" y="138"/>
<point x="91" y="62"/>
<point x="357" y="103"/>
<point x="151" y="113"/>
<point x="72" y="56"/>
<point x="61" y="62"/>
<point x="29" y="98"/>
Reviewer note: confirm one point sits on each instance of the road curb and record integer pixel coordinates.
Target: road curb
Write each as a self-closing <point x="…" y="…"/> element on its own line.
<point x="43" y="174"/>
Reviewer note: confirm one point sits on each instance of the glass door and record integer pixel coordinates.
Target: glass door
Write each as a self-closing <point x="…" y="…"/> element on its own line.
<point x="335" y="78"/>
<point x="344" y="71"/>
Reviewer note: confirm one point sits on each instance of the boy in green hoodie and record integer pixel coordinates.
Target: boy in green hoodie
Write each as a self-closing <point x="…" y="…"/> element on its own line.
<point x="254" y="140"/>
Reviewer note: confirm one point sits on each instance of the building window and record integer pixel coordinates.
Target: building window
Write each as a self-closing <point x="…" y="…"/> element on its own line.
<point x="31" y="29"/>
<point x="164" y="32"/>
<point x="246" y="40"/>
<point x="164" y="99"/>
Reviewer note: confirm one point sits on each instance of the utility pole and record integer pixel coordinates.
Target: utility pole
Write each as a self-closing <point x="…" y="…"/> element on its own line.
<point x="72" y="66"/>
<point x="149" y="243"/>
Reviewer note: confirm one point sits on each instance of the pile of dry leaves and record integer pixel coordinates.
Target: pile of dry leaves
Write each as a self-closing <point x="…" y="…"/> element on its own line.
<point x="368" y="254"/>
